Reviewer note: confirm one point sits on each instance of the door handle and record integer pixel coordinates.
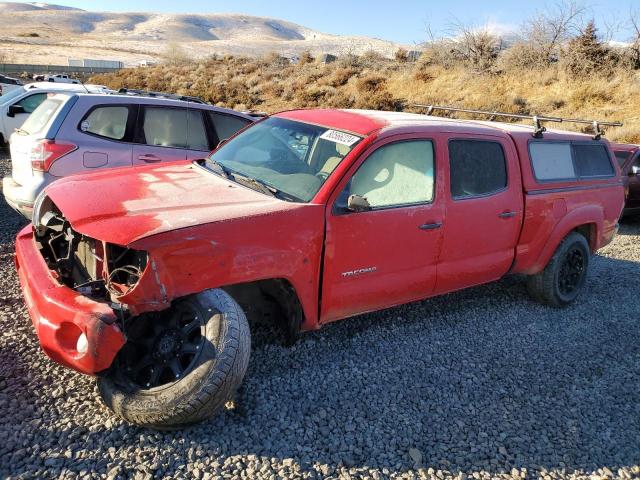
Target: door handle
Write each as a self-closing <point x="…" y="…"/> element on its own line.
<point x="507" y="214"/>
<point x="430" y="226"/>
<point x="149" y="158"/>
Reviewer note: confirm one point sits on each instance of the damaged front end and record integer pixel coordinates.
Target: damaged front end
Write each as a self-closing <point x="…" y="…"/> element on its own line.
<point x="98" y="270"/>
<point x="81" y="291"/>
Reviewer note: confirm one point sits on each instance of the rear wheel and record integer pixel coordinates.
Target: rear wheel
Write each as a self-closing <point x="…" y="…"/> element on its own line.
<point x="181" y="365"/>
<point x="561" y="281"/>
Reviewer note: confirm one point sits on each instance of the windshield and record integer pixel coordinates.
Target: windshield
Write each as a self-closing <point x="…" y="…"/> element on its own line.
<point x="10" y="95"/>
<point x="41" y="116"/>
<point x="292" y="158"/>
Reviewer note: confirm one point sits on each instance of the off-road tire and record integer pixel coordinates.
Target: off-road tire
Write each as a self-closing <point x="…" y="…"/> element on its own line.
<point x="200" y="393"/>
<point x="545" y="288"/>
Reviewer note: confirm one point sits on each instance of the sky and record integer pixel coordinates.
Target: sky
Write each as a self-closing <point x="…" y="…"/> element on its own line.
<point x="403" y="21"/>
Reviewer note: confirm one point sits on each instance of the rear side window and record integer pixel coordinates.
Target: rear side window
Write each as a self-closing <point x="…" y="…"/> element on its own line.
<point x="557" y="161"/>
<point x="592" y="161"/>
<point x="477" y="168"/>
<point x="227" y="125"/>
<point x="196" y="131"/>
<point x="621" y="157"/>
<point x="552" y="161"/>
<point x="108" y="122"/>
<point x="36" y="122"/>
<point x="173" y="127"/>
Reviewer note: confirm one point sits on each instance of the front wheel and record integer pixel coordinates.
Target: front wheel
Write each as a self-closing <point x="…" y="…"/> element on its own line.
<point x="179" y="366"/>
<point x="561" y="281"/>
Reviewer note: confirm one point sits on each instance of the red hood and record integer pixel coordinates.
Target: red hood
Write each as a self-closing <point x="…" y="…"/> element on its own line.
<point x="124" y="205"/>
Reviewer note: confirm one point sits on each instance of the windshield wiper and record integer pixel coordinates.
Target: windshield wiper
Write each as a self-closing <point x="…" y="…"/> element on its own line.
<point x="216" y="167"/>
<point x="257" y="184"/>
<point x="21" y="131"/>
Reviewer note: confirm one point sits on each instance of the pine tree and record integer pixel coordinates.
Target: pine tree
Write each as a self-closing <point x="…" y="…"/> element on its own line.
<point x="586" y="53"/>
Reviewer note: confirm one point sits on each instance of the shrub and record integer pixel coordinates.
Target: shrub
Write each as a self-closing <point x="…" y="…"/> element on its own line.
<point x="586" y="54"/>
<point x="401" y="55"/>
<point x="341" y="76"/>
<point x="306" y="57"/>
<point x="371" y="83"/>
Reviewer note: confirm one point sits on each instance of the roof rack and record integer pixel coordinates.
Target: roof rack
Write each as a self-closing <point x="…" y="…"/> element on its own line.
<point x="170" y="96"/>
<point x="539" y="129"/>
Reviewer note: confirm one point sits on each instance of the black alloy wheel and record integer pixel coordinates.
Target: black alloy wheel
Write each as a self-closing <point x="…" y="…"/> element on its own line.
<point x="163" y="347"/>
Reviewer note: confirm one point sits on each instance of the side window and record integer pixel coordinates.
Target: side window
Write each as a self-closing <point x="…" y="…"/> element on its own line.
<point x="396" y="174"/>
<point x="108" y="122"/>
<point x="196" y="132"/>
<point x="226" y="125"/>
<point x="592" y="160"/>
<point x="552" y="161"/>
<point x="621" y="157"/>
<point x="32" y="102"/>
<point x="477" y="167"/>
<point x="164" y="127"/>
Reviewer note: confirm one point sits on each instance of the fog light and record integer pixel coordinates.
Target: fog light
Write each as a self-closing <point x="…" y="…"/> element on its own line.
<point x="82" y="344"/>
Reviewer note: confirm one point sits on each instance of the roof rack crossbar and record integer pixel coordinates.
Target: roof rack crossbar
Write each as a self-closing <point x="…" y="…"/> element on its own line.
<point x="170" y="96"/>
<point x="539" y="129"/>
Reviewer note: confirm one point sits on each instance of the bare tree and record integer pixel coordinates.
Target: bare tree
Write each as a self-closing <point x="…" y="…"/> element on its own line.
<point x="474" y="45"/>
<point x="174" y="54"/>
<point x="634" y="48"/>
<point x="546" y="31"/>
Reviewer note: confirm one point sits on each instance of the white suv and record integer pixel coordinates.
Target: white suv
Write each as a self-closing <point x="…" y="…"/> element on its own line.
<point x="17" y="104"/>
<point x="73" y="133"/>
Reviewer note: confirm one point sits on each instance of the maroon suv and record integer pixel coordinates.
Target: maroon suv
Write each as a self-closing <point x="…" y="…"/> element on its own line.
<point x="628" y="157"/>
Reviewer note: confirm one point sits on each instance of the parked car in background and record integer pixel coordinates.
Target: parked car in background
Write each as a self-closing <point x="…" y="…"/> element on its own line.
<point x="8" y="83"/>
<point x="60" y="78"/>
<point x="143" y="276"/>
<point x="72" y="133"/>
<point x="18" y="104"/>
<point x="628" y="157"/>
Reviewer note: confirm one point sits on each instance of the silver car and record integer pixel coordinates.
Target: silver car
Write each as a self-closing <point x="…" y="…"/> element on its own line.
<point x="73" y="133"/>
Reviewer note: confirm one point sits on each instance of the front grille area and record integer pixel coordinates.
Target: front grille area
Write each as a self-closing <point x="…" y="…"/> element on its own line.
<point x="91" y="267"/>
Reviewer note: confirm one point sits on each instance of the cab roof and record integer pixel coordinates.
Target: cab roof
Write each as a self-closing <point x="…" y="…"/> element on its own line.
<point x="366" y="122"/>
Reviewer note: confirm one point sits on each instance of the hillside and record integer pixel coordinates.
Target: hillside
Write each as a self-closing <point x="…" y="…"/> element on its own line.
<point x="270" y="85"/>
<point x="43" y="33"/>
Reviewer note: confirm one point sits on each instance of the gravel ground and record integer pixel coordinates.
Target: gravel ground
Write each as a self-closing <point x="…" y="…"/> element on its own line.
<point x="483" y="383"/>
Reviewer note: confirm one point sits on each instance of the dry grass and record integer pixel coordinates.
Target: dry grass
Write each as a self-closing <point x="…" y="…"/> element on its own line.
<point x="271" y="85"/>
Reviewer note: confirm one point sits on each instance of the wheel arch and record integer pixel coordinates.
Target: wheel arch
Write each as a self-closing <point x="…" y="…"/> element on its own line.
<point x="587" y="220"/>
<point x="272" y="300"/>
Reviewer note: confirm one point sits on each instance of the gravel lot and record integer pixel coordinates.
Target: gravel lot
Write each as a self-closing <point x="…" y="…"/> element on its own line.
<point x="483" y="383"/>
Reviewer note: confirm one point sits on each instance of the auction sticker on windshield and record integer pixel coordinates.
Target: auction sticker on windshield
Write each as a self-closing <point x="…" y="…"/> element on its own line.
<point x="340" y="137"/>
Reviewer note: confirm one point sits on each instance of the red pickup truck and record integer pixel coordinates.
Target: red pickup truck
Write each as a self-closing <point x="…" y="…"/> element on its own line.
<point x="628" y="157"/>
<point x="144" y="276"/>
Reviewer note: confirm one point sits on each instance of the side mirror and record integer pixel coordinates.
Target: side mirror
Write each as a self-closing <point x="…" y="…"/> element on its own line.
<point x="15" y="110"/>
<point x="356" y="203"/>
<point x="635" y="170"/>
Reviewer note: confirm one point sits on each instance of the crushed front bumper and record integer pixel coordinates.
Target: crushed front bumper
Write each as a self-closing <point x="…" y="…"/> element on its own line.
<point x="61" y="315"/>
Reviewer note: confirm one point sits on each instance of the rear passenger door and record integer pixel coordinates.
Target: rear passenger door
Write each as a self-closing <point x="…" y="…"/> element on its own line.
<point x="483" y="212"/>
<point x="168" y="134"/>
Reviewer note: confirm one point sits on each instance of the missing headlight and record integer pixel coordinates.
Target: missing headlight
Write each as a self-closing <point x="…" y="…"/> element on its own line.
<point x="124" y="269"/>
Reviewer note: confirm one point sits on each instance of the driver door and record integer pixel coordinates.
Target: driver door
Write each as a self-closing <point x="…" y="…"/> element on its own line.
<point x="386" y="255"/>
